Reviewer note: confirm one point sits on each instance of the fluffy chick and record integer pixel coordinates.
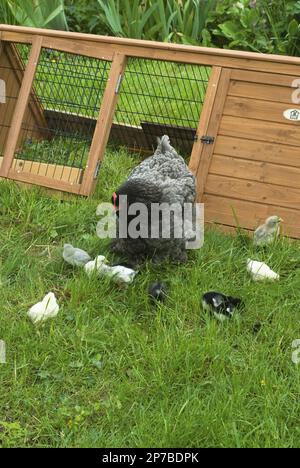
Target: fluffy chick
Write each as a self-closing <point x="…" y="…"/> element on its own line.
<point x="267" y="232"/>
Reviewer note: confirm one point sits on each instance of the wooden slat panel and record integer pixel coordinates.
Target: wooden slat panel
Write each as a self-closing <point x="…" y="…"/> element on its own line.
<point x="211" y="127"/>
<point x="258" y="151"/>
<point x="217" y="57"/>
<point x="267" y="78"/>
<point x="259" y="110"/>
<point x="260" y="131"/>
<point x="253" y="170"/>
<point x="249" y="214"/>
<point x="66" y="174"/>
<point x="253" y="191"/>
<point x="264" y="92"/>
<point x="44" y="181"/>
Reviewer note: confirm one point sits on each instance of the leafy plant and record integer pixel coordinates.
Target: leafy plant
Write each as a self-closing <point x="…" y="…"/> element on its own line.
<point x="261" y="25"/>
<point x="83" y="16"/>
<point x="126" y="18"/>
<point x="6" y="15"/>
<point x="189" y="20"/>
<point x="163" y="20"/>
<point x="37" y="13"/>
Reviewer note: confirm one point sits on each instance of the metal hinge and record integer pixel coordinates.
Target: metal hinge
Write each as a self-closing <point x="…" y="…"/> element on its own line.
<point x="97" y="170"/>
<point x="208" y="140"/>
<point x="119" y="82"/>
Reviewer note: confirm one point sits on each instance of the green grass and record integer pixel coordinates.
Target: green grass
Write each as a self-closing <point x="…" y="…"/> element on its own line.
<point x="112" y="370"/>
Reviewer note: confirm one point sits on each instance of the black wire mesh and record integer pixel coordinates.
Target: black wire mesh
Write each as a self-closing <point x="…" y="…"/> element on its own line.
<point x="67" y="94"/>
<point x="158" y="98"/>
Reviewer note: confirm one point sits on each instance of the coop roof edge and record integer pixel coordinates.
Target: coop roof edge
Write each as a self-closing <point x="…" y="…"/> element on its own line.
<point x="151" y="45"/>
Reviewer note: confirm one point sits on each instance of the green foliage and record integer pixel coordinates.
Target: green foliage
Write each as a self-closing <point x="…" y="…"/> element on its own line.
<point x="83" y="16"/>
<point x="111" y="370"/>
<point x="34" y="13"/>
<point x="6" y="15"/>
<point x="261" y="26"/>
<point x="163" y="20"/>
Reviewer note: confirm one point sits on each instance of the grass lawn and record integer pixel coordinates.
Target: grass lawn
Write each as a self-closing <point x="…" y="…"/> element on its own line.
<point x="111" y="370"/>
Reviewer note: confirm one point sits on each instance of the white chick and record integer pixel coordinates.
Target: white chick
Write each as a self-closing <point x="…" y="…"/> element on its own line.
<point x="261" y="271"/>
<point x="44" y="310"/>
<point x="95" y="265"/>
<point x="268" y="232"/>
<point x="75" y="256"/>
<point x="120" y="274"/>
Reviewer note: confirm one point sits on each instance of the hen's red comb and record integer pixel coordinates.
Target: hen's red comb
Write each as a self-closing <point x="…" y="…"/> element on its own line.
<point x="114" y="197"/>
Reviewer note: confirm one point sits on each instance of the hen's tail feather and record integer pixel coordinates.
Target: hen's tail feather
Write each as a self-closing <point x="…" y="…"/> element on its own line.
<point x="164" y="145"/>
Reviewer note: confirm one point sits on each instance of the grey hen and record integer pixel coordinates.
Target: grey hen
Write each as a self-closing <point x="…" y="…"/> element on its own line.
<point x="161" y="178"/>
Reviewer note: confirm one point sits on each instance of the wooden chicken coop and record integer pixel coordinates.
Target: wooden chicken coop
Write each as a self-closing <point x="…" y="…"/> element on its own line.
<point x="65" y="96"/>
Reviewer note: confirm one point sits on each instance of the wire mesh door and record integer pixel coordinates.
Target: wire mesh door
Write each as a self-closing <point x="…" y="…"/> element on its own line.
<point x="157" y="98"/>
<point x="64" y="96"/>
<point x="11" y="75"/>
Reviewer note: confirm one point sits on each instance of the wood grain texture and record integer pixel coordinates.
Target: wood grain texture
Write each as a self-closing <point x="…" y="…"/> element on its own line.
<point x="276" y="174"/>
<point x="249" y="214"/>
<point x="269" y="132"/>
<point x="240" y="148"/>
<point x="276" y="64"/>
<point x="205" y="117"/>
<point x="212" y="130"/>
<point x="264" y="92"/>
<point x="20" y="108"/>
<point x="104" y="124"/>
<point x="258" y="110"/>
<point x="259" y="192"/>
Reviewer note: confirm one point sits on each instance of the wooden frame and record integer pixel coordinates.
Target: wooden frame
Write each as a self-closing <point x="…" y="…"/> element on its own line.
<point x="252" y="165"/>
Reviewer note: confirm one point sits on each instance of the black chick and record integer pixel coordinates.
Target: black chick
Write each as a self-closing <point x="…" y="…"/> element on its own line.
<point x="221" y="306"/>
<point x="157" y="292"/>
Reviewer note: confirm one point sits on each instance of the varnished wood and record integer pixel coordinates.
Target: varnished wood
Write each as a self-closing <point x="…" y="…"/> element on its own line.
<point x="258" y="110"/>
<point x="277" y="174"/>
<point x="268" y="132"/>
<point x="205" y="117"/>
<point x="223" y="209"/>
<point x="20" y="108"/>
<point x="254" y="150"/>
<point x="104" y="123"/>
<point x="165" y="51"/>
<point x="212" y="130"/>
<point x="250" y="190"/>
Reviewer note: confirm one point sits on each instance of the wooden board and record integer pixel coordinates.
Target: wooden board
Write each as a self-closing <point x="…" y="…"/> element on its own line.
<point x="223" y="209"/>
<point x="254" y="169"/>
<point x="239" y="60"/>
<point x="242" y="148"/>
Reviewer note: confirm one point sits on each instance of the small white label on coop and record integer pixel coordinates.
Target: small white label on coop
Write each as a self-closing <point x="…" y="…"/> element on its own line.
<point x="292" y="114"/>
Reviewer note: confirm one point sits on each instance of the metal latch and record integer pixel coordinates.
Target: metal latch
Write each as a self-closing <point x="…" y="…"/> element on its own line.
<point x="208" y="140"/>
<point x="119" y="82"/>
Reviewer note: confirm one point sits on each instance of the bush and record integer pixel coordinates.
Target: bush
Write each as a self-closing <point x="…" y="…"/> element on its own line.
<point x="259" y="25"/>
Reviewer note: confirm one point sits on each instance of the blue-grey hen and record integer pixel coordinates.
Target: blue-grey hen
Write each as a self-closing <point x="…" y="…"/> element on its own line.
<point x="161" y="178"/>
